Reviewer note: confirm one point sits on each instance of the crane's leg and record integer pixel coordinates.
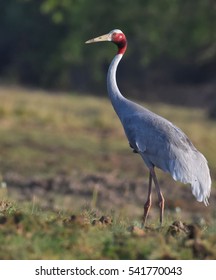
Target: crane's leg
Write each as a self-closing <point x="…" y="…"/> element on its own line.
<point x="159" y="193"/>
<point x="147" y="205"/>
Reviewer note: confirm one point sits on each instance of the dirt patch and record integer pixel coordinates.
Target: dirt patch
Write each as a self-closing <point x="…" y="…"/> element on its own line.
<point x="108" y="191"/>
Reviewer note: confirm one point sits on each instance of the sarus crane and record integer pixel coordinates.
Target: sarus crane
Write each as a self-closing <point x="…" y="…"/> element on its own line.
<point x="159" y="142"/>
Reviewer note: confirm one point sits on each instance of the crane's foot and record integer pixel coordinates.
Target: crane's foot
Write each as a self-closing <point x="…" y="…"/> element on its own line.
<point x="143" y="224"/>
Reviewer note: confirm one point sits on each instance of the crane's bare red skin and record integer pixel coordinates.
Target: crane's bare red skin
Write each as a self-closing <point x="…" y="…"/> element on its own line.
<point x="120" y="40"/>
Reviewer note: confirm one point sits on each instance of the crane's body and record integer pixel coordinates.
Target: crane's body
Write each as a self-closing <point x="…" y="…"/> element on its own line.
<point x="160" y="143"/>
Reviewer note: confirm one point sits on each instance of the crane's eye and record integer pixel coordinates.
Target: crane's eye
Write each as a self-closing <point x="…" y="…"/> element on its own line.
<point x="116" y="37"/>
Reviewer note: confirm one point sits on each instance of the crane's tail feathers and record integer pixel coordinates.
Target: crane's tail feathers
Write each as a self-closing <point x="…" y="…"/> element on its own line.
<point x="196" y="173"/>
<point x="201" y="182"/>
<point x="201" y="190"/>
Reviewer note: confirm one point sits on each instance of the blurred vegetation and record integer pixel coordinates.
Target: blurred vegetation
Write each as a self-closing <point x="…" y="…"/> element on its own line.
<point x="81" y="133"/>
<point x="43" y="41"/>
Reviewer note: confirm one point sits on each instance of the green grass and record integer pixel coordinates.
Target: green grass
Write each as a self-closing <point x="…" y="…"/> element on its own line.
<point x="44" y="135"/>
<point x="50" y="235"/>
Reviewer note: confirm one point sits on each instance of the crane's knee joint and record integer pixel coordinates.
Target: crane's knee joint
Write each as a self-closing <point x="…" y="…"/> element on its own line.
<point x="161" y="203"/>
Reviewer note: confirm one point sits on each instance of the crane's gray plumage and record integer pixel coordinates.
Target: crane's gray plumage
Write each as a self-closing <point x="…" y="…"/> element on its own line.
<point x="160" y="143"/>
<point x="165" y="146"/>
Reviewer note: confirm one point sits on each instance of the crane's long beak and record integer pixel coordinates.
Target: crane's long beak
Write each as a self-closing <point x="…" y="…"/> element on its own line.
<point x="101" y="38"/>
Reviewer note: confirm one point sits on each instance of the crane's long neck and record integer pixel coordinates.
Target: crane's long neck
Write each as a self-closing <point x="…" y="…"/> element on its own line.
<point x="115" y="95"/>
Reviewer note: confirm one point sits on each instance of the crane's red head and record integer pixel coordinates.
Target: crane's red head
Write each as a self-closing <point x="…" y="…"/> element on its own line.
<point x="116" y="36"/>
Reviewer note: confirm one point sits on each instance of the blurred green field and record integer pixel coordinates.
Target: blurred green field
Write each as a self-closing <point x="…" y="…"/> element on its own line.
<point x="44" y="133"/>
<point x="46" y="136"/>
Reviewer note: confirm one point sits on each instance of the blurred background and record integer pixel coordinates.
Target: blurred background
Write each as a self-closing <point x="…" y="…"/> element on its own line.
<point x="171" y="55"/>
<point x="58" y="129"/>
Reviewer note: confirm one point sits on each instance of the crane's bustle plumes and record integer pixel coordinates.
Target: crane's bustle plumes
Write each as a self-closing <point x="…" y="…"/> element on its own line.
<point x="192" y="169"/>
